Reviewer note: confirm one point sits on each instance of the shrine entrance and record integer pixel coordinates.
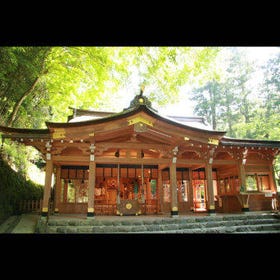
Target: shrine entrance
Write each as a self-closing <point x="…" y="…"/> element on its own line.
<point x="114" y="185"/>
<point x="199" y="197"/>
<point x="199" y="190"/>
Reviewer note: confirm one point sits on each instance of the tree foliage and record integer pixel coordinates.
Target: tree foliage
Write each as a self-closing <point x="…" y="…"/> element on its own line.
<point x="21" y="69"/>
<point x="50" y="79"/>
<point x="208" y="98"/>
<point x="226" y="102"/>
<point x="234" y="103"/>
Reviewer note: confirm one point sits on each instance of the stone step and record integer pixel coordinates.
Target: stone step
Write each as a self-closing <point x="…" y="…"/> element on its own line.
<point x="139" y="221"/>
<point x="222" y="226"/>
<point x="271" y="231"/>
<point x="225" y="230"/>
<point x="193" y="224"/>
<point x="187" y="222"/>
<point x="233" y="229"/>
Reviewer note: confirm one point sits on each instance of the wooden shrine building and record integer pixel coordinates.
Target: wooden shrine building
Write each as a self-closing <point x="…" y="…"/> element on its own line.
<point x="140" y="162"/>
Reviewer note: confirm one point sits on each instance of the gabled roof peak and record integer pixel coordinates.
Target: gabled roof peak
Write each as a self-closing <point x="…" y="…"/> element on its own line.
<point x="140" y="100"/>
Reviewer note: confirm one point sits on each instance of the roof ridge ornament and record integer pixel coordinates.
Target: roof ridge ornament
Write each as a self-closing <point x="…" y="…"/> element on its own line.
<point x="142" y="90"/>
<point x="140" y="100"/>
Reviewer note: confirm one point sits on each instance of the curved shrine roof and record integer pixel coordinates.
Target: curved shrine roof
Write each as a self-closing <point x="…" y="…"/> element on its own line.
<point x="183" y="122"/>
<point x="139" y="105"/>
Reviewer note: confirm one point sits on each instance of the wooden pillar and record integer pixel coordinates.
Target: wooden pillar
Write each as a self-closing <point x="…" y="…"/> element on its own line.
<point x="210" y="189"/>
<point x="148" y="193"/>
<point x="65" y="190"/>
<point x="272" y="181"/>
<point x="173" y="183"/>
<point x="191" y="190"/>
<point x="160" y="191"/>
<point x="57" y="189"/>
<point x="91" y="187"/>
<point x="242" y="178"/>
<point x="143" y="194"/>
<point x="91" y="182"/>
<point x="118" y="185"/>
<point x="119" y="191"/>
<point x="48" y="185"/>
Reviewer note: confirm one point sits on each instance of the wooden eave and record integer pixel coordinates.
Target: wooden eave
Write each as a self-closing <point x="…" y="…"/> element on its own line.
<point x="83" y="112"/>
<point x="225" y="141"/>
<point x="29" y="137"/>
<point x="25" y="134"/>
<point x="24" y="131"/>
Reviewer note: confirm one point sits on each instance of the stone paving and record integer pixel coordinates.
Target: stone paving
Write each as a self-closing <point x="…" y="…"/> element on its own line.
<point x="24" y="223"/>
<point x="8" y="225"/>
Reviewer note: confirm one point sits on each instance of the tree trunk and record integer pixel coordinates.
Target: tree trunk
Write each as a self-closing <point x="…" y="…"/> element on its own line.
<point x="18" y="104"/>
<point x="30" y="90"/>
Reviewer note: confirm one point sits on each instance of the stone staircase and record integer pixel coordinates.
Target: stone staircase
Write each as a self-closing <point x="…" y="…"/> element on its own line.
<point x="227" y="224"/>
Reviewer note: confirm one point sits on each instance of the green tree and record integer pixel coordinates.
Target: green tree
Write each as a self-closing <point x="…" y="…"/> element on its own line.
<point x="225" y="100"/>
<point x="167" y="69"/>
<point x="266" y="109"/>
<point x="21" y="69"/>
<point x="238" y="96"/>
<point x="208" y="102"/>
<point x="271" y="87"/>
<point x="50" y="79"/>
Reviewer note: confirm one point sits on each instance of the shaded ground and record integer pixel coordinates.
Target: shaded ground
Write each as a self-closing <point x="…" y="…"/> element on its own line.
<point x="24" y="223"/>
